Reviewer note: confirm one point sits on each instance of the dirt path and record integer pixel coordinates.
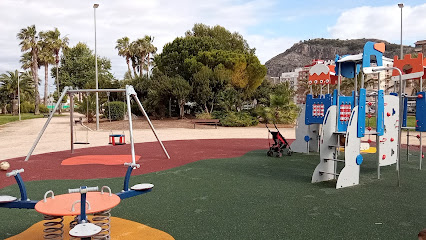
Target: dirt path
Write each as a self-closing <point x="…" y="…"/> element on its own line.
<point x="17" y="137"/>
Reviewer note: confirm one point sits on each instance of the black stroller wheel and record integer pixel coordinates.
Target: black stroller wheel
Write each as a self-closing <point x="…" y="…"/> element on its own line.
<point x="270" y="153"/>
<point x="289" y="153"/>
<point x="279" y="154"/>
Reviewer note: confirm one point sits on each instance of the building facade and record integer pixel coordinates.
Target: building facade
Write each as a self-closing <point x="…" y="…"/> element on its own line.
<point x="420" y="47"/>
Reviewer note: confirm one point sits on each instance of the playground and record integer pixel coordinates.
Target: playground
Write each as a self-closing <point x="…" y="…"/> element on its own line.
<point x="236" y="192"/>
<point x="340" y="177"/>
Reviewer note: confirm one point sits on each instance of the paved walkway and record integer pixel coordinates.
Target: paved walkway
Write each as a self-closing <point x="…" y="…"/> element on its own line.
<point x="17" y="137"/>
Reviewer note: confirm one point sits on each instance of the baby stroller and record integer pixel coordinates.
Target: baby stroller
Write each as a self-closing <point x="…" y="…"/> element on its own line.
<point x="280" y="143"/>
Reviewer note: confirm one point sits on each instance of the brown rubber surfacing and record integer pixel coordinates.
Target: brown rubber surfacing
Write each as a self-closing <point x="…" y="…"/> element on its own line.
<point x="48" y="166"/>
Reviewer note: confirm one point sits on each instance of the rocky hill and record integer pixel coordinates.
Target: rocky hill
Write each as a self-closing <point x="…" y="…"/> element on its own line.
<point x="302" y="53"/>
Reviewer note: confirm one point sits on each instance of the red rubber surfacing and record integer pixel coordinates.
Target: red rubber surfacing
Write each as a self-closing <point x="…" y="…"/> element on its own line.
<point x="48" y="166"/>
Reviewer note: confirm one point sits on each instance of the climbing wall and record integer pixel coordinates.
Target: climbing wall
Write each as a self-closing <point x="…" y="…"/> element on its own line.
<point x="388" y="142"/>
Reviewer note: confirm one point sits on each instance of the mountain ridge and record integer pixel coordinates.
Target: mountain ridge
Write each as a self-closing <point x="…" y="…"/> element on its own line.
<point x="302" y="53"/>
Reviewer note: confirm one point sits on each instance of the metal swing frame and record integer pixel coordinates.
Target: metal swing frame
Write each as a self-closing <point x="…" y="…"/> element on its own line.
<point x="130" y="92"/>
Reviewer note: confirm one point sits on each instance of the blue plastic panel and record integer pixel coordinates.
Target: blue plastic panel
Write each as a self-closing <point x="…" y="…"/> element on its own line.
<point x="404" y="113"/>
<point x="334" y="99"/>
<point x="348" y="68"/>
<point x="316" y="108"/>
<point x="370" y="51"/>
<point x="380" y="126"/>
<point x="361" y="112"/>
<point x="421" y="112"/>
<point x="344" y="110"/>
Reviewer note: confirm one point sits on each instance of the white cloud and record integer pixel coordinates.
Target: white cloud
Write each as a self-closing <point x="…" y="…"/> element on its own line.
<point x="267" y="48"/>
<point x="163" y="19"/>
<point x="382" y="23"/>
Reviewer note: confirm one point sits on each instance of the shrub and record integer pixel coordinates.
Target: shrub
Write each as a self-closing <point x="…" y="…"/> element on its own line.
<point x="238" y="119"/>
<point x="27" y="107"/>
<point x="218" y="114"/>
<point x="203" y="115"/>
<point x="116" y="109"/>
<point x="277" y="115"/>
<point x="43" y="108"/>
<point x="136" y="110"/>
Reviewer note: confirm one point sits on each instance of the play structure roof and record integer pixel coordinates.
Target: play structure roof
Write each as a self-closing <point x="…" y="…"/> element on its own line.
<point x="357" y="58"/>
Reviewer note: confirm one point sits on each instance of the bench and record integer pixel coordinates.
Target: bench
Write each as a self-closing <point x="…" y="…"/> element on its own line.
<point x="206" y="122"/>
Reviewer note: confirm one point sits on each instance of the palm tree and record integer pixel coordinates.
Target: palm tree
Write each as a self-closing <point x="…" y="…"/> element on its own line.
<point x="9" y="87"/>
<point x="151" y="49"/>
<point x="123" y="47"/>
<point x="57" y="44"/>
<point x="26" y="60"/>
<point x="45" y="58"/>
<point x="29" y="42"/>
<point x="139" y="53"/>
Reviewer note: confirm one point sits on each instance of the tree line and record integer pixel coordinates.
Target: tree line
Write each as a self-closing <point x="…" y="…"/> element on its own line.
<point x="209" y="72"/>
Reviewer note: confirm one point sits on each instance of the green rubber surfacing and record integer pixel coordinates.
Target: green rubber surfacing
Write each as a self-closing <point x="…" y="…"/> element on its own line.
<point x="258" y="197"/>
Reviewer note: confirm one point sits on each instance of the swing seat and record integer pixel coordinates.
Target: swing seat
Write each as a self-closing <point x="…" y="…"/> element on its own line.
<point x="122" y="139"/>
<point x="81" y="143"/>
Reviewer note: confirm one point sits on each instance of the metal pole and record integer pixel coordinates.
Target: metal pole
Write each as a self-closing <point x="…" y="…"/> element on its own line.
<point x="96" y="71"/>
<point x="378" y="158"/>
<point x="400" y="5"/>
<point x="45" y="125"/>
<point x="408" y="143"/>
<point x="356" y="87"/>
<point x="150" y="124"/>
<point x="96" y="90"/>
<point x="421" y="145"/>
<point x="57" y="82"/>
<point x="421" y="152"/>
<point x="72" y="120"/>
<point x="339" y="78"/>
<point x="129" y="111"/>
<point x="401" y="116"/>
<point x="19" y="97"/>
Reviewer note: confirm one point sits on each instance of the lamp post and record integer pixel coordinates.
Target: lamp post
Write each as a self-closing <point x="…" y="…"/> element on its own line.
<point x="19" y="93"/>
<point x="401" y="5"/>
<point x="96" y="70"/>
<point x="19" y="97"/>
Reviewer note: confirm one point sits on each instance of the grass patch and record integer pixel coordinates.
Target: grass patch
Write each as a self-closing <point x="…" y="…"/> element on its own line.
<point x="6" y="118"/>
<point x="257" y="197"/>
<point x="411" y="121"/>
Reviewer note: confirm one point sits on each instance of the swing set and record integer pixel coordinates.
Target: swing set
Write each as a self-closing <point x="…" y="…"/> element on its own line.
<point x="112" y="136"/>
<point x="129" y="92"/>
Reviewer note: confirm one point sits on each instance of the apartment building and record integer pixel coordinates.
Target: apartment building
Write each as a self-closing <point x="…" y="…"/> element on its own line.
<point x="385" y="78"/>
<point x="420" y="47"/>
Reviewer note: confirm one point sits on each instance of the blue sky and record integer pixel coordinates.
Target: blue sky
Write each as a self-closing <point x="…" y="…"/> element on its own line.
<point x="270" y="26"/>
